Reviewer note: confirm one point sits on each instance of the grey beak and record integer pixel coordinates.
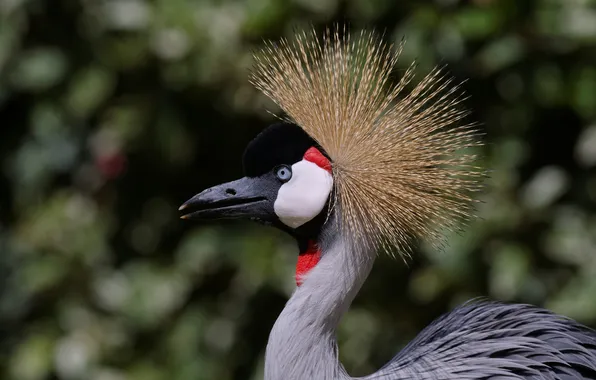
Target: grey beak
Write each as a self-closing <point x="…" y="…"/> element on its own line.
<point x="244" y="198"/>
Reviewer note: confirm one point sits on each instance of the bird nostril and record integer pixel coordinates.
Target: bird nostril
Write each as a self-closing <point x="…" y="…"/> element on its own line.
<point x="230" y="191"/>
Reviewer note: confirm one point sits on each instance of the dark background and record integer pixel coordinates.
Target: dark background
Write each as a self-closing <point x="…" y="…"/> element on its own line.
<point x="112" y="113"/>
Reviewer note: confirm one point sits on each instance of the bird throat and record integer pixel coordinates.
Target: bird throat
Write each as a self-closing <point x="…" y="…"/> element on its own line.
<point x="307" y="260"/>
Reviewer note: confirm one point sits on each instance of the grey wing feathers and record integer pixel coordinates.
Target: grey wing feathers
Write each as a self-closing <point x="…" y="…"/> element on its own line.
<point x="495" y="341"/>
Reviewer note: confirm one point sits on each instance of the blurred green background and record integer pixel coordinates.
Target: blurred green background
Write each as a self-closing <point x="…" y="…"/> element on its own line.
<point x="112" y="113"/>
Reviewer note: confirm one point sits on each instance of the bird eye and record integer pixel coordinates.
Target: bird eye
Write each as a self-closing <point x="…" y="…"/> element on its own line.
<point x="283" y="173"/>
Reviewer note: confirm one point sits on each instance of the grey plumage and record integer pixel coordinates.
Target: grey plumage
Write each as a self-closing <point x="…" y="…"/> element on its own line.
<point x="489" y="340"/>
<point x="479" y="340"/>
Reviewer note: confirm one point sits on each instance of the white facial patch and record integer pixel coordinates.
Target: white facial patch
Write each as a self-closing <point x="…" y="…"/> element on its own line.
<point x="303" y="197"/>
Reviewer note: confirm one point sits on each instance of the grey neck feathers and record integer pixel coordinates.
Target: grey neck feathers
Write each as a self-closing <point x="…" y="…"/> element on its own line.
<point x="302" y="344"/>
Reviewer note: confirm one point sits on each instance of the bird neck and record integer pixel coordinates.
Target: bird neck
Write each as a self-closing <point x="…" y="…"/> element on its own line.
<point x="302" y="344"/>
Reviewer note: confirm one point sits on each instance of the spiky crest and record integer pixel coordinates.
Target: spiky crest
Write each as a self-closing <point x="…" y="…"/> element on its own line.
<point x="397" y="163"/>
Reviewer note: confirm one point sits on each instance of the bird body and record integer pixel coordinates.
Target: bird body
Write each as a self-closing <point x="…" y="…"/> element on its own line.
<point x="360" y="167"/>
<point x="479" y="340"/>
<point x="490" y="340"/>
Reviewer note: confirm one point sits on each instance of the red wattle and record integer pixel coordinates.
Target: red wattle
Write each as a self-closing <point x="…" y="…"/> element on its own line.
<point x="307" y="260"/>
<point x="316" y="157"/>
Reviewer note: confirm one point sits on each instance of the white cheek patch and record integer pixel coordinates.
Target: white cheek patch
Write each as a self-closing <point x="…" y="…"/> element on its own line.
<point x="303" y="197"/>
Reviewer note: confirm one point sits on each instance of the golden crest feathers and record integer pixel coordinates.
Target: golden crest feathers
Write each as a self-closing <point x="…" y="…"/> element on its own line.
<point x="397" y="159"/>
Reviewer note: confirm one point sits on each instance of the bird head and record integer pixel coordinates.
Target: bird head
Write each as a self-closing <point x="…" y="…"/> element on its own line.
<point x="287" y="184"/>
<point x="388" y="159"/>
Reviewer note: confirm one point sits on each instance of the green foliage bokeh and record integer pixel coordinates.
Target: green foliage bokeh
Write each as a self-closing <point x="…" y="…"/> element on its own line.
<point x="112" y="113"/>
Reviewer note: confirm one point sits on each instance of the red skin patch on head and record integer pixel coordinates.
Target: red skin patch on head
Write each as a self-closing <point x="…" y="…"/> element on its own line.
<point x="307" y="260"/>
<point x="316" y="157"/>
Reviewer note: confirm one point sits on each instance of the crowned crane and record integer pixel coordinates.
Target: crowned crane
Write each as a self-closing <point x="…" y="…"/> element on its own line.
<point x="360" y="166"/>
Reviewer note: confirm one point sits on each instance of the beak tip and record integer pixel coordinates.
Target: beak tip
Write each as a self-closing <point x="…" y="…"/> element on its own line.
<point x="184" y="217"/>
<point x="184" y="206"/>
